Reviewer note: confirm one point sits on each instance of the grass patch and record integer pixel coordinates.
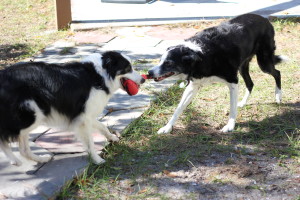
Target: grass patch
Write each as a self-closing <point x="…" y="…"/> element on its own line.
<point x="27" y="26"/>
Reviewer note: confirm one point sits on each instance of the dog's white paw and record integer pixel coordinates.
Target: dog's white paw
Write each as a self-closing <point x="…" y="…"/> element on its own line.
<point x="16" y="162"/>
<point x="241" y="104"/>
<point x="44" y="158"/>
<point x="114" y="138"/>
<point x="278" y="98"/>
<point x="229" y="127"/>
<point x="98" y="160"/>
<point x="278" y="95"/>
<point x="164" y="130"/>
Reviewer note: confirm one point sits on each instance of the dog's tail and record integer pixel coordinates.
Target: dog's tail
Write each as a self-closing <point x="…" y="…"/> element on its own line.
<point x="280" y="59"/>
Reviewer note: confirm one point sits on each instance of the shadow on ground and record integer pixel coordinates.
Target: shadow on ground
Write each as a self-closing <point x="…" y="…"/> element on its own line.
<point x="9" y="53"/>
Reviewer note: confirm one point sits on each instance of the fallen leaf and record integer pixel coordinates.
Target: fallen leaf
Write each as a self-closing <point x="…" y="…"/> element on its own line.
<point x="130" y="189"/>
<point x="208" y="99"/>
<point x="191" y="133"/>
<point x="142" y="191"/>
<point x="169" y="174"/>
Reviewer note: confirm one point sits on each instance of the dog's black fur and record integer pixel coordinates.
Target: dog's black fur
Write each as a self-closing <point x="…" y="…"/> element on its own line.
<point x="227" y="49"/>
<point x="64" y="87"/>
<point x="36" y="92"/>
<point x="223" y="51"/>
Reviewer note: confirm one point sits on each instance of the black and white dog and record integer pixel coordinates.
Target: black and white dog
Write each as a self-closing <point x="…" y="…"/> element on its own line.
<point x="69" y="96"/>
<point x="218" y="54"/>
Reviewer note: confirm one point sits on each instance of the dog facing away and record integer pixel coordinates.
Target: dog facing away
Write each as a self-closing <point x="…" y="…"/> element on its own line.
<point x="68" y="96"/>
<point x="218" y="54"/>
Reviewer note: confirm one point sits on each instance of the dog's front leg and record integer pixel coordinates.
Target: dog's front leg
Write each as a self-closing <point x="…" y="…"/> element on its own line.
<point x="186" y="99"/>
<point x="84" y="132"/>
<point x="233" y="88"/>
<point x="104" y="130"/>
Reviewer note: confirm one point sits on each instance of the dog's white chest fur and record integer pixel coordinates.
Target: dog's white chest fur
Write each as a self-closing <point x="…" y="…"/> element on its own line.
<point x="96" y="103"/>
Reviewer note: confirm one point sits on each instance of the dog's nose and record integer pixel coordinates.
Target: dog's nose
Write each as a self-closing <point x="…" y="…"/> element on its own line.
<point x="143" y="81"/>
<point x="150" y="73"/>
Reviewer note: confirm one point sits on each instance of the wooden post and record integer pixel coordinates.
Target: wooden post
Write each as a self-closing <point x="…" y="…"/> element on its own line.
<point x="63" y="13"/>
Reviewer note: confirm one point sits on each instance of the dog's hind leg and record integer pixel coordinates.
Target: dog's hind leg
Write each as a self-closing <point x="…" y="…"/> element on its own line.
<point x="186" y="99"/>
<point x="266" y="61"/>
<point x="244" y="71"/>
<point x="233" y="107"/>
<point x="84" y="132"/>
<point x="26" y="151"/>
<point x="9" y="154"/>
<point x="270" y="69"/>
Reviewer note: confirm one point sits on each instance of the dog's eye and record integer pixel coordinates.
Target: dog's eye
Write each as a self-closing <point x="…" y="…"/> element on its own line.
<point x="167" y="62"/>
<point x="129" y="68"/>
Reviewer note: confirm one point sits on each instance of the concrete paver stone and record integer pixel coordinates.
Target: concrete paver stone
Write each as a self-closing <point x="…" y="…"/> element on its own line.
<point x="15" y="181"/>
<point x="122" y="101"/>
<point x="57" y="141"/>
<point x="123" y="42"/>
<point x="38" y="132"/>
<point x="143" y="52"/>
<point x="88" y="37"/>
<point x="119" y="120"/>
<point x="168" y="43"/>
<point x="54" y="59"/>
<point x="159" y="86"/>
<point x="171" y="34"/>
<point x="48" y="180"/>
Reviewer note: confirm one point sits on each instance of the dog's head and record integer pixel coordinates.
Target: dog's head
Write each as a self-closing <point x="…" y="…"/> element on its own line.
<point x="177" y="62"/>
<point x="118" y="67"/>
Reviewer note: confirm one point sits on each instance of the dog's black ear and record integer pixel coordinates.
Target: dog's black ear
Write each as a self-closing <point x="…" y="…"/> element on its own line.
<point x="108" y="61"/>
<point x="191" y="58"/>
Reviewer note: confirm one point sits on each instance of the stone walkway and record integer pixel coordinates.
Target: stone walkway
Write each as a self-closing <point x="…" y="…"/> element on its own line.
<point x="42" y="181"/>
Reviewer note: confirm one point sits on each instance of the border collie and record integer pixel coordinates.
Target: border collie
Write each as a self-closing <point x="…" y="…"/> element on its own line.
<point x="218" y="54"/>
<point x="68" y="96"/>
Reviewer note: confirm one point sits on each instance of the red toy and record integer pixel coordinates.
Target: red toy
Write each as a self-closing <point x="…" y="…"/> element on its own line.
<point x="145" y="76"/>
<point x="131" y="87"/>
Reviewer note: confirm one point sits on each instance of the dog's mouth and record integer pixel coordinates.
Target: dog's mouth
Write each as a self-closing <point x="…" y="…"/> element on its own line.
<point x="164" y="76"/>
<point x="123" y="80"/>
